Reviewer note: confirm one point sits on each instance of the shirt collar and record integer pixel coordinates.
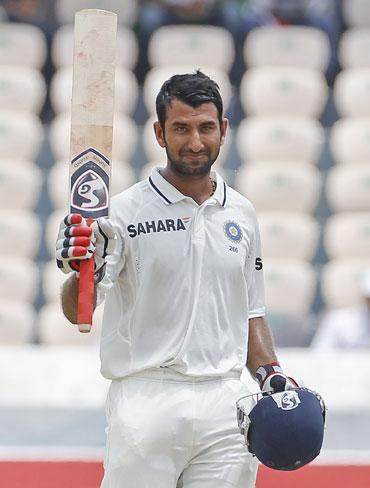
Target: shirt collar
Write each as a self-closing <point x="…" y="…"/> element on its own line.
<point x="169" y="194"/>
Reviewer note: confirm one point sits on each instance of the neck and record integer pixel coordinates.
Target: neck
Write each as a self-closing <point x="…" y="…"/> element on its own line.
<point x="197" y="187"/>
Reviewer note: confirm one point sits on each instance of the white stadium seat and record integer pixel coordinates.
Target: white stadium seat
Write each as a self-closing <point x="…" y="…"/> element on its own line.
<point x="22" y="88"/>
<point x="19" y="278"/>
<point x="280" y="186"/>
<point x="124" y="137"/>
<point x="192" y="44"/>
<point x="285" y="138"/>
<point x="16" y="322"/>
<point x="347" y="235"/>
<point x="288" y="235"/>
<point x="52" y="230"/>
<point x="158" y="75"/>
<point x="348" y="187"/>
<point x="20" y="184"/>
<point x="296" y="46"/>
<point x="354" y="48"/>
<point x="154" y="152"/>
<point x="54" y="328"/>
<point x="356" y="13"/>
<point x="352" y="92"/>
<point x="126" y="55"/>
<point x="350" y="140"/>
<point x="126" y="10"/>
<point x="125" y="97"/>
<point x="283" y="91"/>
<point x="21" y="135"/>
<point x="290" y="285"/>
<point x="52" y="280"/>
<point x="341" y="281"/>
<point x="122" y="176"/>
<point x="22" y="44"/>
<point x="20" y="233"/>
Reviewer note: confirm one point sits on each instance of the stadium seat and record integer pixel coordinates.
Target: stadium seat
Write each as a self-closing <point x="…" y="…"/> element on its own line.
<point x="352" y="92"/>
<point x="52" y="230"/>
<point x="286" y="138"/>
<point x="280" y="186"/>
<point x="52" y="280"/>
<point x="21" y="135"/>
<point x="341" y="280"/>
<point x="356" y="13"/>
<point x="354" y="48"/>
<point x="194" y="45"/>
<point x="20" y="184"/>
<point x="16" y="322"/>
<point x="121" y="178"/>
<point x="124" y="137"/>
<point x="283" y="91"/>
<point x="290" y="285"/>
<point x="125" y="97"/>
<point x="19" y="278"/>
<point x="22" y="88"/>
<point x="126" y="10"/>
<point x="288" y="45"/>
<point x="20" y="233"/>
<point x="154" y="152"/>
<point x="54" y="328"/>
<point x="288" y="235"/>
<point x="350" y="140"/>
<point x="348" y="188"/>
<point x="158" y="75"/>
<point x="347" y="235"/>
<point x="22" y="44"/>
<point x="126" y="55"/>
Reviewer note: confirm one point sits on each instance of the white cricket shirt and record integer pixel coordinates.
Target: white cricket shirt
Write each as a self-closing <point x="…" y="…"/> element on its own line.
<point x="182" y="282"/>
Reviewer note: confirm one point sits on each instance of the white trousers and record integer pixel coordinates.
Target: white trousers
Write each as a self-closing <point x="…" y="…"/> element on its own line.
<point x="167" y="430"/>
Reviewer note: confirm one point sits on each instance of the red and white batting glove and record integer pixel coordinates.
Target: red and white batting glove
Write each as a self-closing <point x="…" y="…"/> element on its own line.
<point x="272" y="379"/>
<point x="77" y="241"/>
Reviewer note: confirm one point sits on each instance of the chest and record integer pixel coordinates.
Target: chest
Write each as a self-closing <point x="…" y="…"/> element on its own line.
<point x="217" y="238"/>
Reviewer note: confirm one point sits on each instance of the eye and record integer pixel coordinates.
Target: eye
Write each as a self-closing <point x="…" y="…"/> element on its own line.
<point x="180" y="129"/>
<point x="208" y="128"/>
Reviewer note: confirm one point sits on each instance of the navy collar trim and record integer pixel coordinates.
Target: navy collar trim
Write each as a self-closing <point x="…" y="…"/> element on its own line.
<point x="156" y="189"/>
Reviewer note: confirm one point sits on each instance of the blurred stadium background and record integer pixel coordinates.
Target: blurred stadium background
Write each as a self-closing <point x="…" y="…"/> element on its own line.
<point x="296" y="86"/>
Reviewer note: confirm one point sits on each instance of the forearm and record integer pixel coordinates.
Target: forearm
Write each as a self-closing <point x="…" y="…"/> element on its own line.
<point x="260" y="345"/>
<point x="69" y="298"/>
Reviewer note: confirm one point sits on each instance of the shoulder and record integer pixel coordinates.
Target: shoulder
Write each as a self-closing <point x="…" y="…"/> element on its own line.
<point x="236" y="199"/>
<point x="128" y="202"/>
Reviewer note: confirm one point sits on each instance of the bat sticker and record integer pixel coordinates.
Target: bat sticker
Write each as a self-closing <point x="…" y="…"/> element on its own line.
<point x="90" y="184"/>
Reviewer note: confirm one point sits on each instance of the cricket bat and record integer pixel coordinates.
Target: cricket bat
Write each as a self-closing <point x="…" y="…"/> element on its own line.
<point x="91" y="133"/>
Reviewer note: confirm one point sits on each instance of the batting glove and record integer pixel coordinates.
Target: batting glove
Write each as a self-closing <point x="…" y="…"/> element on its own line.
<point x="272" y="379"/>
<point x="76" y="241"/>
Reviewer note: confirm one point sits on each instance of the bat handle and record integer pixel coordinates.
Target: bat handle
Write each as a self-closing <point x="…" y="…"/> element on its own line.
<point x="86" y="292"/>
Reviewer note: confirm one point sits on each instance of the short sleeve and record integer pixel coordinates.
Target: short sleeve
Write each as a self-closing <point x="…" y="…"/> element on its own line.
<point x="254" y="274"/>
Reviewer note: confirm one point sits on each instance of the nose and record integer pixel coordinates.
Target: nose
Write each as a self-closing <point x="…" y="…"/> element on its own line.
<point x="195" y="142"/>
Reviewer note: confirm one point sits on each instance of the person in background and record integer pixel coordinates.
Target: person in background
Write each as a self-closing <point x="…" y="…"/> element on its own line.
<point x="346" y="328"/>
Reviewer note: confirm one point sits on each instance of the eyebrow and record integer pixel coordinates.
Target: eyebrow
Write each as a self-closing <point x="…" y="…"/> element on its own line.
<point x="177" y="123"/>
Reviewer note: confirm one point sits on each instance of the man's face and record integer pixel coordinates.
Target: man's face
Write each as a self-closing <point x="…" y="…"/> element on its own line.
<point x="192" y="137"/>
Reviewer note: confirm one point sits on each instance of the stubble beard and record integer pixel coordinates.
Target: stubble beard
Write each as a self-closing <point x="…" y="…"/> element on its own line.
<point x="182" y="168"/>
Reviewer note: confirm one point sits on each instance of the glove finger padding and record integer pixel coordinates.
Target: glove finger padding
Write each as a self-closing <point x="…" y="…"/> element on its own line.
<point x="272" y="379"/>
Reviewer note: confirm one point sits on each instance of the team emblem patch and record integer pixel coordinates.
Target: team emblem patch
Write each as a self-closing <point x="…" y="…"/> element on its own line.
<point x="287" y="400"/>
<point x="233" y="231"/>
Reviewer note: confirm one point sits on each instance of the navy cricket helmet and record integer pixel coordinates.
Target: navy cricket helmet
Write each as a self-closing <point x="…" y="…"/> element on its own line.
<point x="284" y="430"/>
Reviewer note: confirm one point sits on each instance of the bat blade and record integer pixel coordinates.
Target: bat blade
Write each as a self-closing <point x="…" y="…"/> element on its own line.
<point x="91" y="132"/>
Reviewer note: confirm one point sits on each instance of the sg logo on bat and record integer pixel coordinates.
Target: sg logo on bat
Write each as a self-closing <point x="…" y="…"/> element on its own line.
<point x="90" y="184"/>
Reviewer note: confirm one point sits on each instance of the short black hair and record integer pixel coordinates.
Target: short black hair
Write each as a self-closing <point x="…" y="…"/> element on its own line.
<point x="194" y="89"/>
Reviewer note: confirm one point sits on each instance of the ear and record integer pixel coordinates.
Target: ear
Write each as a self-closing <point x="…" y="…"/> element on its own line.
<point x="159" y="134"/>
<point x="224" y="127"/>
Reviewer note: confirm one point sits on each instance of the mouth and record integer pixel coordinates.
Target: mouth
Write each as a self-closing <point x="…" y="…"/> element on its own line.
<point x="195" y="156"/>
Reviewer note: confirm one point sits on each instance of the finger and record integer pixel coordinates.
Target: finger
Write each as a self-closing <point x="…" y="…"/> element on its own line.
<point x="74" y="219"/>
<point x="74" y="252"/>
<point x="79" y="230"/>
